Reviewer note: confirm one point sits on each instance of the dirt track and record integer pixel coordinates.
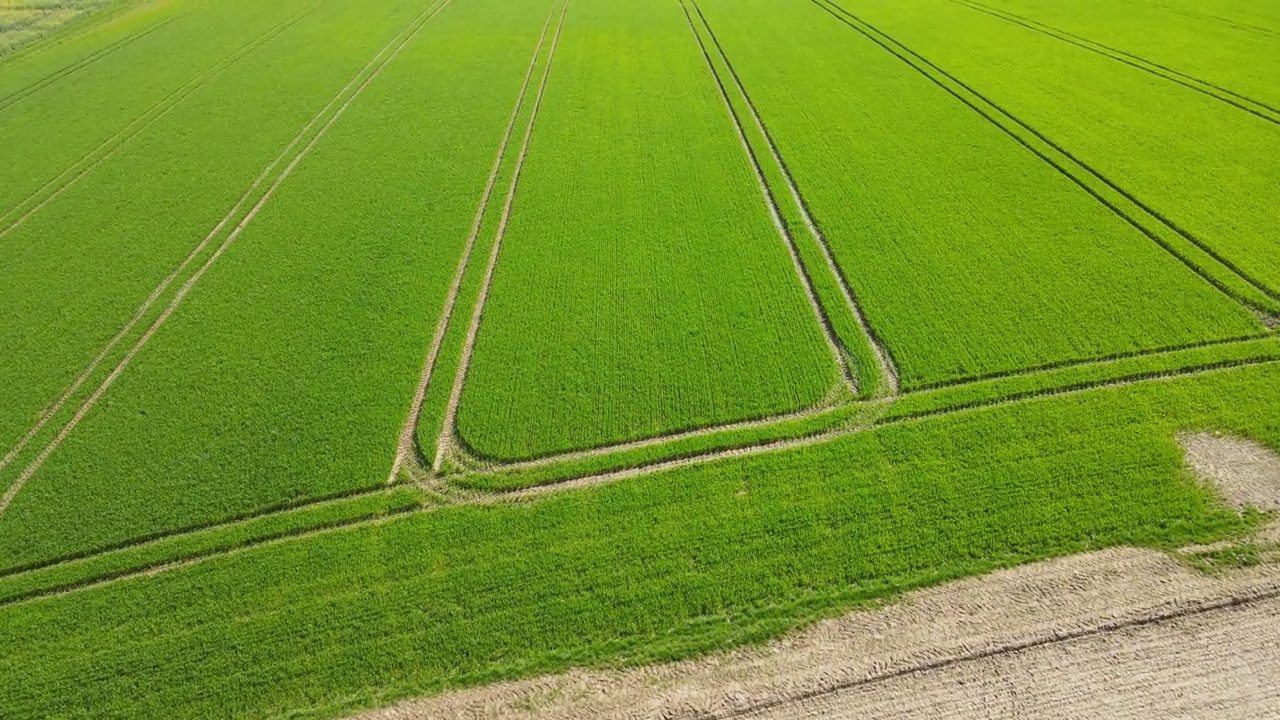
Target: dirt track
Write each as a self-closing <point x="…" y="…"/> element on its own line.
<point x="1117" y="633"/>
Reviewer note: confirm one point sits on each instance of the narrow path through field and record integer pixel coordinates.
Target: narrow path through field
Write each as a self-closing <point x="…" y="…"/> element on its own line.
<point x="656" y="441"/>
<point x="1252" y="460"/>
<point x="407" y="452"/>
<point x="81" y="168"/>
<point x="380" y="61"/>
<point x="650" y="468"/>
<point x="448" y="433"/>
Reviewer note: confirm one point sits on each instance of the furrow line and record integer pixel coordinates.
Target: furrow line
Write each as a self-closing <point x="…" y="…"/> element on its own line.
<point x="182" y="292"/>
<point x="1237" y="100"/>
<point x="603" y="478"/>
<point x="159" y="290"/>
<point x="448" y="432"/>
<point x="888" y="369"/>
<point x="407" y="450"/>
<point x="820" y="313"/>
<point x="819" y="438"/>
<point x="187" y="531"/>
<point x="188" y="561"/>
<point x="120" y="139"/>
<point x="18" y="95"/>
<point x="606" y="450"/>
<point x="1255" y="294"/>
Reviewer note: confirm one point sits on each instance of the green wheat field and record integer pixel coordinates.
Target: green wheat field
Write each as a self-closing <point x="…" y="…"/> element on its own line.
<point x="356" y="351"/>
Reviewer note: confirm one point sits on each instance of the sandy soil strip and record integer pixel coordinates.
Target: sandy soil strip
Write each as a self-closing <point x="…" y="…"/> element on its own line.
<point x="446" y="441"/>
<point x="88" y="404"/>
<point x="997" y="618"/>
<point x="117" y="142"/>
<point x="888" y="370"/>
<point x="1116" y="633"/>
<point x="406" y="450"/>
<point x="820" y="314"/>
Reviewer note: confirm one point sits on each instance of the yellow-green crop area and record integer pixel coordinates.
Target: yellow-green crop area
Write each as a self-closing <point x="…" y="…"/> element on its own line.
<point x="357" y="351"/>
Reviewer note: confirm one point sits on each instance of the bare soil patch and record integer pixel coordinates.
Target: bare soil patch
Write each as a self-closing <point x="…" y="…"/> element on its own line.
<point x="1113" y="633"/>
<point x="1245" y="473"/>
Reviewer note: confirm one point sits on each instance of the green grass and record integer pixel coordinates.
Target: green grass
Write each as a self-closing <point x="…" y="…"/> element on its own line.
<point x="288" y="371"/>
<point x="642" y="288"/>
<point x="1129" y="125"/>
<point x="913" y="190"/>
<point x="655" y="568"/>
<point x="216" y="537"/>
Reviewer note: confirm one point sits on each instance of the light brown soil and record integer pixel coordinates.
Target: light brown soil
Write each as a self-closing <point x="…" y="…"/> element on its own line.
<point x="1219" y="664"/>
<point x="1117" y="633"/>
<point x="1066" y="631"/>
<point x="1245" y="473"/>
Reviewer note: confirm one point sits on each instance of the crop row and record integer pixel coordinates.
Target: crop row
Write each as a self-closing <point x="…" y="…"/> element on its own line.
<point x="862" y="416"/>
<point x="84" y="267"/>
<point x="1132" y="128"/>
<point x="51" y="125"/>
<point x="166" y="551"/>
<point x="1234" y="55"/>
<point x="641" y="287"/>
<point x="678" y="563"/>
<point x="971" y="255"/>
<point x="288" y="370"/>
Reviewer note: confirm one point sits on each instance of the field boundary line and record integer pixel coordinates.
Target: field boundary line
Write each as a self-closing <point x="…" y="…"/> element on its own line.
<point x="159" y="290"/>
<point x="1270" y="300"/>
<point x="1246" y="598"/>
<point x="407" y="450"/>
<point x="121" y="138"/>
<point x="774" y="446"/>
<point x="36" y="86"/>
<point x="1238" y="100"/>
<point x="448" y="432"/>
<point x="659" y="440"/>
<point x="806" y="282"/>
<point x="186" y="287"/>
<point x="1108" y="359"/>
<point x="491" y="497"/>
<point x="888" y="369"/>
<point x="777" y="420"/>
